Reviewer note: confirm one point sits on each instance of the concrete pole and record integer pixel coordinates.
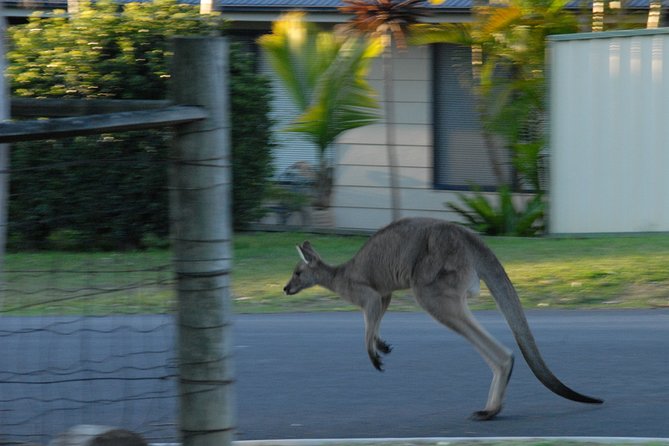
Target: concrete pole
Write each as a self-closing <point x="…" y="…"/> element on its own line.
<point x="200" y="177"/>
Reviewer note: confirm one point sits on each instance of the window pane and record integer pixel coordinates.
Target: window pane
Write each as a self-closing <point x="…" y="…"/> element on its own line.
<point x="461" y="156"/>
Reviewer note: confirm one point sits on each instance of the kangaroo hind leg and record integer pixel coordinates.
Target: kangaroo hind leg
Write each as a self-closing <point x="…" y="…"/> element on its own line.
<point x="450" y="308"/>
<point x="374" y="309"/>
<point x="382" y="345"/>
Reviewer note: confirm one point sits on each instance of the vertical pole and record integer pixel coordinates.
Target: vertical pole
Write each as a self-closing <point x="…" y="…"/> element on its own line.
<point x="200" y="177"/>
<point x="73" y="6"/>
<point x="391" y="146"/>
<point x="206" y="6"/>
<point x="4" y="150"/>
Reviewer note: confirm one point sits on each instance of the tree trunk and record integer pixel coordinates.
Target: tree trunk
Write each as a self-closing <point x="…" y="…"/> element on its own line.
<point x="597" y="15"/>
<point x="654" y="14"/>
<point x="323" y="183"/>
<point x="391" y="146"/>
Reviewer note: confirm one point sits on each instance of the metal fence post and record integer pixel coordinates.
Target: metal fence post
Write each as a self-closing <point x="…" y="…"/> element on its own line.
<point x="200" y="183"/>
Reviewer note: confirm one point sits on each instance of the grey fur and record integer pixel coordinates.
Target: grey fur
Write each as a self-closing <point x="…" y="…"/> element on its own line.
<point x="442" y="263"/>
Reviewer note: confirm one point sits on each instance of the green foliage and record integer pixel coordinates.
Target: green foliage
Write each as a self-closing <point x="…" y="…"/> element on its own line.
<point x="342" y="99"/>
<point x="112" y="190"/>
<point x="510" y="44"/>
<point x="251" y="134"/>
<point x="325" y="75"/>
<point x="505" y="218"/>
<point x="102" y="52"/>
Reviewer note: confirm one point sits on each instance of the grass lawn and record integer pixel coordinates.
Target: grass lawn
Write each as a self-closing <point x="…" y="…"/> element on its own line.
<point x="602" y="272"/>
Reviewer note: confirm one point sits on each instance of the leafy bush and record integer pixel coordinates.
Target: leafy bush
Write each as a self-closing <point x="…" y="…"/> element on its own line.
<point x="250" y="99"/>
<point x="505" y="219"/>
<point x="111" y="190"/>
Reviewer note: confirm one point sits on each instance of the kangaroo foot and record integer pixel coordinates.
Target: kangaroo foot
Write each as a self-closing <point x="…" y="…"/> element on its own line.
<point x="383" y="347"/>
<point x="484" y="415"/>
<point x="376" y="361"/>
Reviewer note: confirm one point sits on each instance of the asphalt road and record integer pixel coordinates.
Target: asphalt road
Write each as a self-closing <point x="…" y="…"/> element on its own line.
<point x="308" y="376"/>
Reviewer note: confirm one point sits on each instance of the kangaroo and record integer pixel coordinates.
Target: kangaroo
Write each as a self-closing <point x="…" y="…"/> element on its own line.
<point x="442" y="263"/>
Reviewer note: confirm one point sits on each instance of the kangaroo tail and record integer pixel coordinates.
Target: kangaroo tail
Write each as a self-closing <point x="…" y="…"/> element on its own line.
<point x="492" y="272"/>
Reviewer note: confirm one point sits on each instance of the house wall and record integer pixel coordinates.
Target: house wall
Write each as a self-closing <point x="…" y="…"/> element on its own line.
<point x="609" y="142"/>
<point x="361" y="190"/>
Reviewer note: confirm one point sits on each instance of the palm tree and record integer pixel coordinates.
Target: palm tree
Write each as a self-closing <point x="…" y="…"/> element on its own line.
<point x="389" y="20"/>
<point x="325" y="73"/>
<point x="598" y="8"/>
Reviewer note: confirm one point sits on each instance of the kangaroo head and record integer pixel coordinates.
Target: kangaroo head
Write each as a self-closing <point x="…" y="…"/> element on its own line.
<point x="305" y="273"/>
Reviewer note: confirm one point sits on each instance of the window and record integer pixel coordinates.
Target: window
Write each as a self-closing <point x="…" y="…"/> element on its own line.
<point x="461" y="156"/>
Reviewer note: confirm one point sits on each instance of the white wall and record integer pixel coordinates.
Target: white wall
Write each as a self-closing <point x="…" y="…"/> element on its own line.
<point x="362" y="194"/>
<point x="609" y="143"/>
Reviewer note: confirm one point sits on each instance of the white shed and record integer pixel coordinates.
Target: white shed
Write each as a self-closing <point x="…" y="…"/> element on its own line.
<point x="609" y="127"/>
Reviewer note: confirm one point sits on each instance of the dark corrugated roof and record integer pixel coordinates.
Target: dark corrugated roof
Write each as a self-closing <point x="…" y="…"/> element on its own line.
<point x="251" y="4"/>
<point x="254" y="5"/>
<point x="283" y="3"/>
<point x="320" y="4"/>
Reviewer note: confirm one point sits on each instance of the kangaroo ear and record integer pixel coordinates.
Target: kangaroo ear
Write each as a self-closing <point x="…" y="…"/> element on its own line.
<point x="308" y="253"/>
<point x="301" y="253"/>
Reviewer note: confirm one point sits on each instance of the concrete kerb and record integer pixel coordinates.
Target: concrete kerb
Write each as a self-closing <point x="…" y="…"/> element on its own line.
<point x="441" y="441"/>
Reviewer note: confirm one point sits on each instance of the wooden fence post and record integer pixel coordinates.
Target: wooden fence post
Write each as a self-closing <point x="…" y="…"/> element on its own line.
<point x="200" y="186"/>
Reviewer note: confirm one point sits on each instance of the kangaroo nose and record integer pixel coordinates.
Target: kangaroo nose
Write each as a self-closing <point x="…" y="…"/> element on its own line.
<point x="285" y="289"/>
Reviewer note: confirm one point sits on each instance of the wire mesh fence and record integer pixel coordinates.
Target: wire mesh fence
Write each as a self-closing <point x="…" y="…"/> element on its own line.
<point x="87" y="326"/>
<point x="86" y="295"/>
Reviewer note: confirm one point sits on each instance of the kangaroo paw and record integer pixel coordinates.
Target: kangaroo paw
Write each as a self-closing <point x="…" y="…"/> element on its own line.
<point x="383" y="346"/>
<point x="376" y="362"/>
<point x="484" y="415"/>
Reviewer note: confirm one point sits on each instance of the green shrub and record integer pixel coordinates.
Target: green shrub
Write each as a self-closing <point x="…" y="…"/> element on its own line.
<point x="112" y="189"/>
<point x="505" y="218"/>
<point x="250" y="99"/>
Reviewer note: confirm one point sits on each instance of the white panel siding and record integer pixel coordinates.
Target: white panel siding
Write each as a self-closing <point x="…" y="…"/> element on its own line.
<point x="362" y="194"/>
<point x="403" y="90"/>
<point x="379" y="176"/>
<point x="405" y="134"/>
<point x="376" y="155"/>
<point x="609" y="137"/>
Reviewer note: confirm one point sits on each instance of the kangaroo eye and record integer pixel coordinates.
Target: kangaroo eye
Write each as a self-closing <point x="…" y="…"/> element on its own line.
<point x="298" y="273"/>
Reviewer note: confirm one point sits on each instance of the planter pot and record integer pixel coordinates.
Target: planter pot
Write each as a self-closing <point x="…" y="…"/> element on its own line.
<point x="322" y="218"/>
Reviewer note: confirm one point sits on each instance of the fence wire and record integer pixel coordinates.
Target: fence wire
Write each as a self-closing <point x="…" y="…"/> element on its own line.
<point x="87" y="333"/>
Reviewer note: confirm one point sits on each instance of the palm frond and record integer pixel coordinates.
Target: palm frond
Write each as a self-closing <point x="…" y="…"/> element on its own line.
<point x="428" y="33"/>
<point x="343" y="99"/>
<point x="384" y="16"/>
<point x="299" y="53"/>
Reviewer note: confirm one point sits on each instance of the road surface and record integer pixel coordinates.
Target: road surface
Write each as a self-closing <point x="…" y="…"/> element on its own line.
<point x="308" y="376"/>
